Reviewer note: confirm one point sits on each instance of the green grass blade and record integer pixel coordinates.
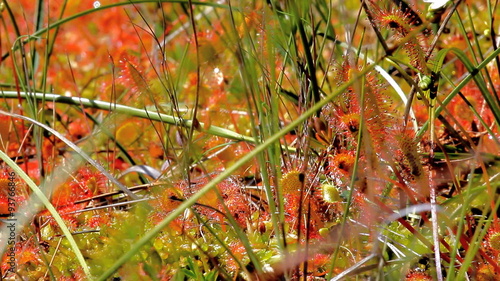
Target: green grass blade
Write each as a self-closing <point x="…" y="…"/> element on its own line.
<point x="78" y="150"/>
<point x="131" y="111"/>
<point x="473" y="71"/>
<point x="39" y="193"/>
<point x="228" y="172"/>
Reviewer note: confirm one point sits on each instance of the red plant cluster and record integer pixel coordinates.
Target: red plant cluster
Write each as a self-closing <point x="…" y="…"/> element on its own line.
<point x="358" y="148"/>
<point x="405" y="32"/>
<point x="66" y="197"/>
<point x="13" y="188"/>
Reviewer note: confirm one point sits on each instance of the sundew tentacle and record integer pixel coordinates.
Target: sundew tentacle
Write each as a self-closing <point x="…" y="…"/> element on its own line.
<point x="400" y="23"/>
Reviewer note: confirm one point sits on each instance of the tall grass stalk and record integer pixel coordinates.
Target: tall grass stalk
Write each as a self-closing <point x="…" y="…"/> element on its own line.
<point x="302" y="71"/>
<point x="45" y="201"/>
<point x="195" y="197"/>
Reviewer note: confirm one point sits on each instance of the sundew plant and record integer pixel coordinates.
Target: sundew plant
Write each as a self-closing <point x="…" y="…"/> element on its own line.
<point x="249" y="140"/>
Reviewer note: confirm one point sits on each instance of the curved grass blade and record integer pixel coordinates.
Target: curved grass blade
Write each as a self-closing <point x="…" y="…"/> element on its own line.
<point x="39" y="193"/>
<point x="228" y="172"/>
<point x="473" y="71"/>
<point x="131" y="111"/>
<point x="142" y="169"/>
<point x="78" y="150"/>
<point x="60" y="22"/>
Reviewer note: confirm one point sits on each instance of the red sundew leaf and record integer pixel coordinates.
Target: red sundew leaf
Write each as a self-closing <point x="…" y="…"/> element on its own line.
<point x="350" y="122"/>
<point x="493" y="241"/>
<point x="418" y="276"/>
<point x="156" y="150"/>
<point x="62" y="196"/>
<point x="4" y="205"/>
<point x="239" y="252"/>
<point x="236" y="201"/>
<point x="238" y="204"/>
<point x="292" y="182"/>
<point x="410" y="160"/>
<point x="378" y="116"/>
<point x="91" y="182"/>
<point x="168" y="199"/>
<point x="5" y="122"/>
<point x="25" y="253"/>
<point x="347" y="102"/>
<point x="486" y="272"/>
<point x="401" y="23"/>
<point x="85" y="184"/>
<point x="70" y="221"/>
<point x="132" y="77"/>
<point x="65" y="212"/>
<point x="98" y="220"/>
<point x="341" y="164"/>
<point x="33" y="170"/>
<point x="317" y="262"/>
<point x="78" y="129"/>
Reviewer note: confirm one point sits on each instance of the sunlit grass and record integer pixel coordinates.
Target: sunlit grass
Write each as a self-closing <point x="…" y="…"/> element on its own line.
<point x="250" y="140"/>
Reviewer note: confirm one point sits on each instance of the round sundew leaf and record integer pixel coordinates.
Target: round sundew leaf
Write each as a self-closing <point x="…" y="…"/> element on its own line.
<point x="127" y="133"/>
<point x="291" y="182"/>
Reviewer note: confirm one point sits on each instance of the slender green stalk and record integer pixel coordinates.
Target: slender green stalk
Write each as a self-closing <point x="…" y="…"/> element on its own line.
<point x="249" y="73"/>
<point x="78" y="150"/>
<point x="350" y="195"/>
<point x="313" y="91"/>
<point x="473" y="71"/>
<point x="226" y="173"/>
<point x="465" y="201"/>
<point x="60" y="22"/>
<point x="130" y="111"/>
